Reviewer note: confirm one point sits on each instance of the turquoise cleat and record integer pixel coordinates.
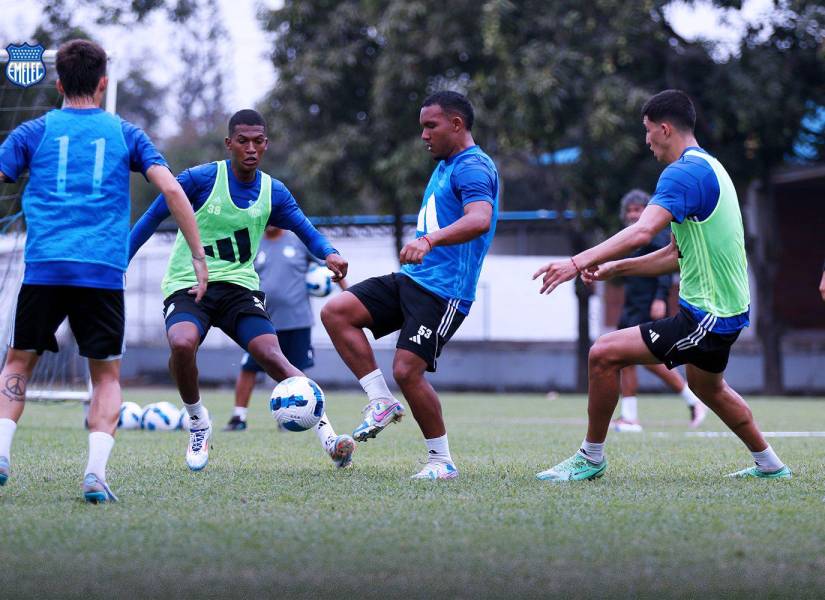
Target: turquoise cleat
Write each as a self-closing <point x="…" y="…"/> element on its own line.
<point x="575" y="468"/>
<point x="755" y="473"/>
<point x="96" y="491"/>
<point x="5" y="470"/>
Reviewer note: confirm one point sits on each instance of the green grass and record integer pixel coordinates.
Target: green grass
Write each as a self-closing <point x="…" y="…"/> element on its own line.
<point x="271" y="517"/>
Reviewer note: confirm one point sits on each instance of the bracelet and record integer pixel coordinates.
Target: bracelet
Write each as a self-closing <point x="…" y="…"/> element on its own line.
<point x="203" y="258"/>
<point x="578" y="270"/>
<point x="426" y="239"/>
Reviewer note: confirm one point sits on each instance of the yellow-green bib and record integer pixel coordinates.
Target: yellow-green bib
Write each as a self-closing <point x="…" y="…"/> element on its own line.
<point x="230" y="235"/>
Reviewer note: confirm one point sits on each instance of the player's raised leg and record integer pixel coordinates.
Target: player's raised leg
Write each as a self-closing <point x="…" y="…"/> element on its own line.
<point x="184" y="338"/>
<point x="266" y="351"/>
<point x="102" y="418"/>
<point x="15" y="376"/>
<point x="608" y="356"/>
<point x="345" y="318"/>
<point x="734" y="412"/>
<point x="408" y="370"/>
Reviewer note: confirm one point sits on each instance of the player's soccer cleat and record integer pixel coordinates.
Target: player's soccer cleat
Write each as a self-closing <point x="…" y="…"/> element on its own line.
<point x="627" y="426"/>
<point x="437" y="470"/>
<point x="377" y="415"/>
<point x="235" y="424"/>
<point x="341" y="451"/>
<point x="197" y="453"/>
<point x="755" y="473"/>
<point x="575" y="468"/>
<point x="698" y="412"/>
<point x="5" y="470"/>
<point x="96" y="491"/>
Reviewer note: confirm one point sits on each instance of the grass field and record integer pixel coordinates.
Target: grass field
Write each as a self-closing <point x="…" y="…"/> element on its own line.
<point x="271" y="517"/>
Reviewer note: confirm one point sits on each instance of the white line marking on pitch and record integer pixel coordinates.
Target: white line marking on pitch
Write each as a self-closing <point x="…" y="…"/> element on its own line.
<point x="717" y="434"/>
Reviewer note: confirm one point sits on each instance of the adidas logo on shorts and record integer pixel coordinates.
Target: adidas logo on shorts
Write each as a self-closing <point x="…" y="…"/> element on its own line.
<point x="416" y="338"/>
<point x="653" y="335"/>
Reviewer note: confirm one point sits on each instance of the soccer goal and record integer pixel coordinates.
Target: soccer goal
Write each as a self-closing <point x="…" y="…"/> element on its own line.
<point x="63" y="375"/>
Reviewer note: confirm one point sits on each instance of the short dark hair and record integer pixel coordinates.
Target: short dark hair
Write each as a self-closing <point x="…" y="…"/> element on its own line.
<point x="246" y="116"/>
<point x="80" y="65"/>
<point x="671" y="105"/>
<point x="453" y="103"/>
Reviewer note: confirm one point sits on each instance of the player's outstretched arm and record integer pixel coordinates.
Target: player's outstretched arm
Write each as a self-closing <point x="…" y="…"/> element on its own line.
<point x="653" y="220"/>
<point x="475" y="223"/>
<point x="180" y="208"/>
<point x="664" y="260"/>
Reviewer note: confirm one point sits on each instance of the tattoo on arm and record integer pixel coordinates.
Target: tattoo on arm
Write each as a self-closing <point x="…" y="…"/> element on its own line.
<point x="14" y="387"/>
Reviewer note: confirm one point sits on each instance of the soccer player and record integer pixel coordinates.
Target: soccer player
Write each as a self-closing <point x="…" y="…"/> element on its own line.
<point x="76" y="206"/>
<point x="233" y="203"/>
<point x="282" y="263"/>
<point x="428" y="299"/>
<point x="697" y="198"/>
<point x="645" y="299"/>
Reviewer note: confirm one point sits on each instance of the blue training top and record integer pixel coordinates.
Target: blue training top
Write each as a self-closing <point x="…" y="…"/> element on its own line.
<point x="198" y="182"/>
<point x="689" y="189"/>
<point x="452" y="272"/>
<point x="76" y="203"/>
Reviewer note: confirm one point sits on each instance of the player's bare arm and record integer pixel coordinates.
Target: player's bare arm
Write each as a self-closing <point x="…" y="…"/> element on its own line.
<point x="181" y="209"/>
<point x="338" y="265"/>
<point x="475" y="223"/>
<point x="664" y="260"/>
<point x="2" y="177"/>
<point x="822" y="285"/>
<point x="653" y="220"/>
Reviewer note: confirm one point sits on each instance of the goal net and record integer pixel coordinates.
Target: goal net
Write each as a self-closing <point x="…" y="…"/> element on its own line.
<point x="63" y="375"/>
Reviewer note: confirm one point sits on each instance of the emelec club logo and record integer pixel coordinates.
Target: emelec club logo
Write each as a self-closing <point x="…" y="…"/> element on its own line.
<point x="25" y="67"/>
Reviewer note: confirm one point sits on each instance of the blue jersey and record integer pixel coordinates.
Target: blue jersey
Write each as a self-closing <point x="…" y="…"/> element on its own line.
<point x="76" y="203"/>
<point x="198" y="182"/>
<point x="689" y="189"/>
<point x="452" y="272"/>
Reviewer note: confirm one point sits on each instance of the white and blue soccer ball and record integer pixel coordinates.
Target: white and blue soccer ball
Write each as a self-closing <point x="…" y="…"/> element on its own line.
<point x="297" y="404"/>
<point x="319" y="281"/>
<point x="130" y="413"/>
<point x="160" y="416"/>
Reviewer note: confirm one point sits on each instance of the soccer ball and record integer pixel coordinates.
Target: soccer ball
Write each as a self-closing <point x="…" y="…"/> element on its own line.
<point x="129" y="418"/>
<point x="159" y="416"/>
<point x="183" y="419"/>
<point x="297" y="404"/>
<point x="319" y="281"/>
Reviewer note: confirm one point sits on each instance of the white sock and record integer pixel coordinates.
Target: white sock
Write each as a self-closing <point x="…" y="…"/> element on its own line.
<point x="630" y="411"/>
<point x="438" y="450"/>
<point x="100" y="445"/>
<point x="375" y="385"/>
<point x="767" y="460"/>
<point x="7" y="429"/>
<point x="198" y="415"/>
<point x="592" y="451"/>
<point x="326" y="434"/>
<point x="689" y="396"/>
<point x="240" y="411"/>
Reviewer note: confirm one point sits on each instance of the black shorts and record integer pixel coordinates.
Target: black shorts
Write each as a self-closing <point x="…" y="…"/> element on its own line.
<point x="96" y="317"/>
<point x="396" y="302"/>
<point x="296" y="344"/>
<point x="221" y="306"/>
<point x="680" y="340"/>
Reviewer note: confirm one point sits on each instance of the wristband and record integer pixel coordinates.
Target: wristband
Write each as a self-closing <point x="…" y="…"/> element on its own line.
<point x="578" y="270"/>
<point x="203" y="258"/>
<point x="426" y="239"/>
